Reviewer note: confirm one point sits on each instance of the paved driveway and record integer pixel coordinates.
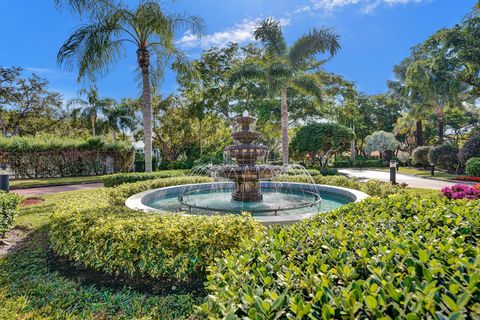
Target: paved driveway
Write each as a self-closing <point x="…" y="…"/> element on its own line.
<point x="40" y="191"/>
<point x="412" y="181"/>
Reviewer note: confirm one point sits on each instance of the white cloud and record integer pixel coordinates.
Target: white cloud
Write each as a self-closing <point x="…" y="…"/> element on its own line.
<point x="240" y="33"/>
<point x="366" y="6"/>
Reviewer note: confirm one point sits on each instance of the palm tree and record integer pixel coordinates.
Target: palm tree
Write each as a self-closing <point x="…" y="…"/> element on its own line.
<point x="88" y="107"/>
<point x="94" y="47"/>
<point x="285" y="68"/>
<point x="118" y="116"/>
<point x="438" y="86"/>
<point x="410" y="99"/>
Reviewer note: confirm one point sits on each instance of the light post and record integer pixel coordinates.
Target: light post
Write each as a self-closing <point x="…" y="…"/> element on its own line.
<point x="432" y="169"/>
<point x="393" y="171"/>
<point x="4" y="178"/>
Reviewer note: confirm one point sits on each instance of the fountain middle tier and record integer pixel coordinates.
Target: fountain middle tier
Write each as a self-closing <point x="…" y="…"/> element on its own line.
<point x="246" y="154"/>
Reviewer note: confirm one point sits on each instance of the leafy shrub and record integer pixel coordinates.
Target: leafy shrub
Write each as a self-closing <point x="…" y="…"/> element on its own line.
<point x="118" y="240"/>
<point x="8" y="210"/>
<point x="461" y="191"/>
<point x="445" y="157"/>
<point x="176" y="164"/>
<point x="35" y="157"/>
<point x="473" y="167"/>
<point x="329" y="172"/>
<point x="121" y="178"/>
<point x="420" y="156"/>
<point x="398" y="258"/>
<point x="119" y="194"/>
<point x="403" y="157"/>
<point x="374" y="188"/>
<point x="470" y="149"/>
<point x="296" y="172"/>
<point x="360" y="163"/>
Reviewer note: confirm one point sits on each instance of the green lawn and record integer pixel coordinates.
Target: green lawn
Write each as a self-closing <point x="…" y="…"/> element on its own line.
<point x="42" y="182"/>
<point x="29" y="289"/>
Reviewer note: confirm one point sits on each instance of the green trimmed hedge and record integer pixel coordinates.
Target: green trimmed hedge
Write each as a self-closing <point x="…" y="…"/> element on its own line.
<point x="120" y="194"/>
<point x="359" y="163"/>
<point x="473" y="167"/>
<point x="47" y="157"/>
<point x="296" y="172"/>
<point x="117" y="240"/>
<point x="374" y="188"/>
<point x="121" y="178"/>
<point x="8" y="210"/>
<point x="397" y="258"/>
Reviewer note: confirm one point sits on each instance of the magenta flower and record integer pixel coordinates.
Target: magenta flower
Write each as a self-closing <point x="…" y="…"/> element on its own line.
<point x="461" y="191"/>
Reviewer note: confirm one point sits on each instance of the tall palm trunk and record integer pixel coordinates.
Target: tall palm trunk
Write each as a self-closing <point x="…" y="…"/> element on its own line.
<point x="284" y="124"/>
<point x="200" y="135"/>
<point x="143" y="58"/>
<point x="419" y="133"/>
<point x="94" y="121"/>
<point x="439" y="111"/>
<point x="114" y="135"/>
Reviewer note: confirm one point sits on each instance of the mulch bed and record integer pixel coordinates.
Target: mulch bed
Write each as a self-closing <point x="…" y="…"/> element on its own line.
<point x="31" y="201"/>
<point x="88" y="276"/>
<point x="13" y="240"/>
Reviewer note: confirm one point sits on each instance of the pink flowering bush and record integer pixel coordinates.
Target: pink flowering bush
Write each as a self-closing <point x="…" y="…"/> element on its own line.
<point x="461" y="191"/>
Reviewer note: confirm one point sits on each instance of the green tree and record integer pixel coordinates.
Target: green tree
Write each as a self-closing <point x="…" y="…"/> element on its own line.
<point x="87" y="107"/>
<point x="381" y="141"/>
<point x="283" y="68"/>
<point x="26" y="104"/>
<point x="320" y="141"/>
<point x="94" y="47"/>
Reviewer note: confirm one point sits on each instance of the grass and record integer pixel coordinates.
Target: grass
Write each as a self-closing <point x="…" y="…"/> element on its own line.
<point x="30" y="290"/>
<point x="42" y="182"/>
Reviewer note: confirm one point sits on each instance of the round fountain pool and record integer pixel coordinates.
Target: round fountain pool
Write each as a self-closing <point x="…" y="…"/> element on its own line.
<point x="283" y="202"/>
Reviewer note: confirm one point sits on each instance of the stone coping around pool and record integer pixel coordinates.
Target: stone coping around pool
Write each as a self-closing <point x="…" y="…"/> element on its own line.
<point x="138" y="200"/>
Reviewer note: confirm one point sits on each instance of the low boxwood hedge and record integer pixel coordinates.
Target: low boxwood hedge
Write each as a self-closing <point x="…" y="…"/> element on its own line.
<point x="117" y="240"/>
<point x="402" y="257"/>
<point x="119" y="194"/>
<point x="374" y="188"/>
<point x="8" y="210"/>
<point x="121" y="178"/>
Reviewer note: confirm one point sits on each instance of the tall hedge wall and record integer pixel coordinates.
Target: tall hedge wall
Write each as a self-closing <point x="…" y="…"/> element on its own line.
<point x="39" y="157"/>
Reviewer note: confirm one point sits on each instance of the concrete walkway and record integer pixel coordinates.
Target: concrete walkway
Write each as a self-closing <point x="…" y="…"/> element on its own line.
<point x="41" y="191"/>
<point x="412" y="181"/>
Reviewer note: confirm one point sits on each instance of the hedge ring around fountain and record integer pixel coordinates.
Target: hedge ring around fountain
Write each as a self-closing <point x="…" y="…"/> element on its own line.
<point x="248" y="184"/>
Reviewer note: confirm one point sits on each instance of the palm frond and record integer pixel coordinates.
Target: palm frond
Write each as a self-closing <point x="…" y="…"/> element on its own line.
<point x="92" y="48"/>
<point x="308" y="84"/>
<point x="247" y="71"/>
<point x="279" y="70"/>
<point x="270" y="34"/>
<point x="316" y="41"/>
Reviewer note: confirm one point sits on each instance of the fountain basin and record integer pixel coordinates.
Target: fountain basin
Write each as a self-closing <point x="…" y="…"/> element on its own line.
<point x="272" y="210"/>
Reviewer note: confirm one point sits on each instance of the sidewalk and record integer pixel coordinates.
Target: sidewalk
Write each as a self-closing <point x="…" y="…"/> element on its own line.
<point x="41" y="191"/>
<point x="411" y="180"/>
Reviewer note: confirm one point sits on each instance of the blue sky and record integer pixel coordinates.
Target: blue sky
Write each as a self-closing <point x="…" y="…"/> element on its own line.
<point x="375" y="35"/>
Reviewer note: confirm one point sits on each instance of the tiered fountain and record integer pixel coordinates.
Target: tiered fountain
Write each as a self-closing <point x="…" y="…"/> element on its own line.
<point x="247" y="173"/>
<point x="248" y="184"/>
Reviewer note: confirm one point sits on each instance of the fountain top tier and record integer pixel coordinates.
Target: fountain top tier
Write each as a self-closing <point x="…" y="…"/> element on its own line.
<point x="245" y="151"/>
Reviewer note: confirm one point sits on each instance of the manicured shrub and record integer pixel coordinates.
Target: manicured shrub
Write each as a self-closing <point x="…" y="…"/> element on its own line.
<point x="296" y="172"/>
<point x="119" y="194"/>
<point x="329" y="172"/>
<point x="473" y="167"/>
<point x="398" y="258"/>
<point x="117" y="240"/>
<point x="360" y="162"/>
<point x="8" y="210"/>
<point x="36" y="157"/>
<point x="461" y="191"/>
<point x="121" y="178"/>
<point x="381" y="141"/>
<point x="372" y="187"/>
<point x="470" y="149"/>
<point x="420" y="156"/>
<point x="445" y="157"/>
